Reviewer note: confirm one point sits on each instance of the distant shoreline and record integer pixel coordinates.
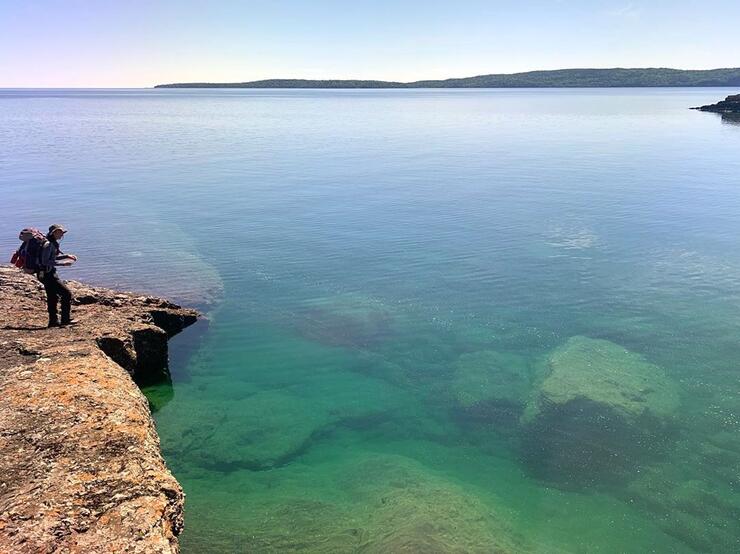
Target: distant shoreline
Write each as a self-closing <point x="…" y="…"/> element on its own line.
<point x="560" y="78"/>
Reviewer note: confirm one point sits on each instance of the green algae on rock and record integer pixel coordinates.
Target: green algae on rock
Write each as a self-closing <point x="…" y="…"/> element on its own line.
<point x="411" y="509"/>
<point x="600" y="410"/>
<point x="699" y="513"/>
<point x="696" y="502"/>
<point x="363" y="502"/>
<point x="605" y="373"/>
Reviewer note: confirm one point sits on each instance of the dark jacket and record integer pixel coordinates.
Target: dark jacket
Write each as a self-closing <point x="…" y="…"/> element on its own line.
<point x="50" y="253"/>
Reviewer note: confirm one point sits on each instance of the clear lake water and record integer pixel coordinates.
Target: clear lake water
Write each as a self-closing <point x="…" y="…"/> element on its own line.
<point x="437" y="320"/>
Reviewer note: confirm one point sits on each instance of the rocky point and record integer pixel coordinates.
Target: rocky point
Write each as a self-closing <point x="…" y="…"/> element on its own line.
<point x="80" y="464"/>
<point x="731" y="104"/>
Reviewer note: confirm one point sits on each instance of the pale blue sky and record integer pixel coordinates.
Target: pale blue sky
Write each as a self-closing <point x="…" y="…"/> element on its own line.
<point x="139" y="43"/>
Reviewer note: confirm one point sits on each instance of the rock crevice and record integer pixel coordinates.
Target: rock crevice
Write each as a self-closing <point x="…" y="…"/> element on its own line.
<point x="80" y="464"/>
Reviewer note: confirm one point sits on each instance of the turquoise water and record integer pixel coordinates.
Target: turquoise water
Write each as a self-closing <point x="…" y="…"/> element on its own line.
<point x="438" y="321"/>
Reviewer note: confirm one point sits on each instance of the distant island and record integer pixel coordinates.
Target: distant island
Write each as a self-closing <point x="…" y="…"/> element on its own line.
<point x="565" y="78"/>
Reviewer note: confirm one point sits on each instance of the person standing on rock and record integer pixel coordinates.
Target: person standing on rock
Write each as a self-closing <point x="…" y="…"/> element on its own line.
<point x="51" y="257"/>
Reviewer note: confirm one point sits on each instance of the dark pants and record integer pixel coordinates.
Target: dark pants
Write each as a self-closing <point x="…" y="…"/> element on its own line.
<point x="55" y="290"/>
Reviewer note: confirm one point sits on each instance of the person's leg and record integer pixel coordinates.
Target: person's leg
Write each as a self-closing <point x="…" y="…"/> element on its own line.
<point x="51" y="298"/>
<point x="66" y="296"/>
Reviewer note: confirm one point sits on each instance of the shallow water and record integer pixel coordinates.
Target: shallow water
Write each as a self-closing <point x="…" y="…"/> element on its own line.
<point x="391" y="278"/>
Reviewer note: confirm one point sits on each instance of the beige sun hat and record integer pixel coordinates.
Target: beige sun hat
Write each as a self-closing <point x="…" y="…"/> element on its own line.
<point x="57" y="227"/>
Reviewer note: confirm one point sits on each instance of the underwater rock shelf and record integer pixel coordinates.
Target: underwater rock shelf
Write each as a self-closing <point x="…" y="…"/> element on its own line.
<point x="80" y="465"/>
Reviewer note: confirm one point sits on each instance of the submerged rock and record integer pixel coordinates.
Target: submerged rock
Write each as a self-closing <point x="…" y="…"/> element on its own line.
<point x="410" y="509"/>
<point x="262" y="431"/>
<point x="491" y="386"/>
<point x="355" y="502"/>
<point x="269" y="428"/>
<point x="348" y="320"/>
<point x="700" y="513"/>
<point x="80" y="467"/>
<point x="600" y="410"/>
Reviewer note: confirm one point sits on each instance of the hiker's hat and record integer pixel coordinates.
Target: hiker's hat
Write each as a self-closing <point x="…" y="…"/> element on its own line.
<point x="57" y="227"/>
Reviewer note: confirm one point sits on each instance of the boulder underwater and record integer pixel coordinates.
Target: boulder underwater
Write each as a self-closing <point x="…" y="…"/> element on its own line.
<point x="347" y="320"/>
<point x="259" y="432"/>
<point x="600" y="412"/>
<point x="490" y="387"/>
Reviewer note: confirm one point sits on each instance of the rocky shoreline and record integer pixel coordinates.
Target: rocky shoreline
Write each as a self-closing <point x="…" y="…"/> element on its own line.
<point x="729" y="109"/>
<point x="80" y="463"/>
<point x="731" y="104"/>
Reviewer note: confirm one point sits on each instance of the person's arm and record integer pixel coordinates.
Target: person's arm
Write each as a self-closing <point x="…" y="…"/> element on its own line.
<point x="47" y="260"/>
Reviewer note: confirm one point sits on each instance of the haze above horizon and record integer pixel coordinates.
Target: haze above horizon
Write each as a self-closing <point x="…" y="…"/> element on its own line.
<point x="56" y="43"/>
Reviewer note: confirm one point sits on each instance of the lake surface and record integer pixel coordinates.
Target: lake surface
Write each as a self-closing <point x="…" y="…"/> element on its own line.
<point x="438" y="320"/>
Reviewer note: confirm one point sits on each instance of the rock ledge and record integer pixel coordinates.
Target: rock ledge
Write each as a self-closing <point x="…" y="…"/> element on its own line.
<point x="730" y="105"/>
<point x="80" y="466"/>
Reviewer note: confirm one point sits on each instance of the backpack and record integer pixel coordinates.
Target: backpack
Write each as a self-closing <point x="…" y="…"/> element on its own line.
<point x="28" y="256"/>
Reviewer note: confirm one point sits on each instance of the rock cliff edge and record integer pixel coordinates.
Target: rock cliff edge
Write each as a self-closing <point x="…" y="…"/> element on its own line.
<point x="80" y="465"/>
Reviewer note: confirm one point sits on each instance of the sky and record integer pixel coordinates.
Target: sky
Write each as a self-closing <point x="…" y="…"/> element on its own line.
<point x="140" y="43"/>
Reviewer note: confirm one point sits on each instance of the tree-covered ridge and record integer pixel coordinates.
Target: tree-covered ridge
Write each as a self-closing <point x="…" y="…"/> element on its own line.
<point x="618" y="77"/>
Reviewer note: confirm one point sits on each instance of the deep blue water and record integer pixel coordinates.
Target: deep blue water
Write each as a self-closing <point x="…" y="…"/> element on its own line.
<point x="392" y="280"/>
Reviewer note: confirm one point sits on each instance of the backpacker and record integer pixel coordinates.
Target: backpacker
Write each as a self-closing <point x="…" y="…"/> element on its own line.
<point x="28" y="256"/>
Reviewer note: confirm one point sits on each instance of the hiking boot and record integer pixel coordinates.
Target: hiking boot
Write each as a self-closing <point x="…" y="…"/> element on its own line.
<point x="53" y="323"/>
<point x="69" y="322"/>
